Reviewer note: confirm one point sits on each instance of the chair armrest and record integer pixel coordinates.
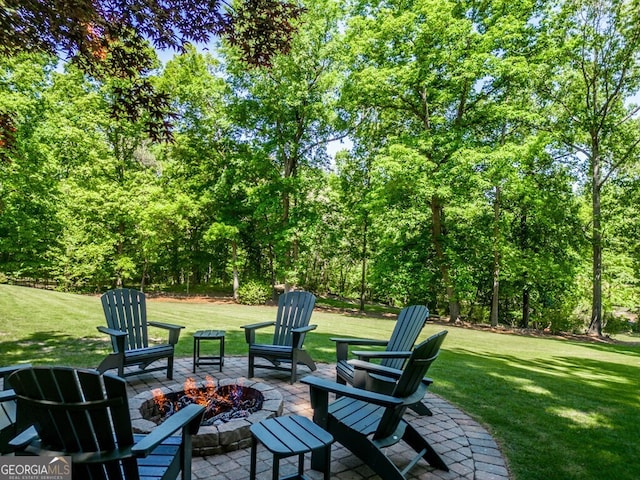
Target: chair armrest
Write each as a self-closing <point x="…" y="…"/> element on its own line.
<point x="254" y="326"/>
<point x="174" y="330"/>
<point x="119" y="337"/>
<point x="166" y="326"/>
<point x="188" y="418"/>
<point x="342" y="345"/>
<point x="298" y="334"/>
<point x="250" y="330"/>
<point x="7" y="395"/>
<point x="304" y="329"/>
<point x="393" y="373"/>
<point x="113" y="332"/>
<point x="360" y="341"/>
<point x="23" y="439"/>
<point x="328" y="386"/>
<point x="375" y="368"/>
<point x="363" y="354"/>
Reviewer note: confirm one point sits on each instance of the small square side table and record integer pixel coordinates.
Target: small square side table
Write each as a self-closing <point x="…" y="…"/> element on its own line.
<point x="198" y="359"/>
<point x="287" y="436"/>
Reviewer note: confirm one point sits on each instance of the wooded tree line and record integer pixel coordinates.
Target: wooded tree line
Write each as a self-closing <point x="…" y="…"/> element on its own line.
<point x="491" y="169"/>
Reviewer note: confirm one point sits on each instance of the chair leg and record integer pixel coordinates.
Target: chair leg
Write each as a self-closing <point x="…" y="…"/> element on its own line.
<point x="301" y="465"/>
<point x="186" y="454"/>
<point x="276" y="468"/>
<point x="305" y="358"/>
<point x="170" y="368"/>
<point x="108" y="363"/>
<point x="294" y="366"/>
<point x="421" y="409"/>
<point x="419" y="444"/>
<point x="252" y="467"/>
<point x="251" y="365"/>
<point x="365" y="450"/>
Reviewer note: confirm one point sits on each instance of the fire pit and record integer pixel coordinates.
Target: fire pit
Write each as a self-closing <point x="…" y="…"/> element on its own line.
<point x="231" y="407"/>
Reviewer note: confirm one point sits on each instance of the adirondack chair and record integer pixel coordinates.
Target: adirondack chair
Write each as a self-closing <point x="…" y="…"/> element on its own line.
<point x="384" y="381"/>
<point x="85" y="415"/>
<point x="409" y="324"/>
<point x="126" y="313"/>
<point x="291" y="327"/>
<point x="366" y="422"/>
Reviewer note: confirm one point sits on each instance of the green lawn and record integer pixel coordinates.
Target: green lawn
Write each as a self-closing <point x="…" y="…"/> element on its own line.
<point x="560" y="409"/>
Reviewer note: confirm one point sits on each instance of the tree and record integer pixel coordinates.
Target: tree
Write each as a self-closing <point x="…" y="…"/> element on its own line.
<point x="542" y="239"/>
<point x="29" y="191"/>
<point x="206" y="164"/>
<point x="287" y="114"/>
<point x="433" y="76"/>
<point x="594" y="73"/>
<point x="352" y="186"/>
<point x="108" y="39"/>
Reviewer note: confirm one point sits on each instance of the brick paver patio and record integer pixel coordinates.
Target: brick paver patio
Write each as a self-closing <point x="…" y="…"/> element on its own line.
<point x="465" y="446"/>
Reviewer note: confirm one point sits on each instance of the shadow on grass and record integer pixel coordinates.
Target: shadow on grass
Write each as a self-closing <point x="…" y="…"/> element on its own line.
<point x="626" y="349"/>
<point x="55" y="348"/>
<point x="559" y="418"/>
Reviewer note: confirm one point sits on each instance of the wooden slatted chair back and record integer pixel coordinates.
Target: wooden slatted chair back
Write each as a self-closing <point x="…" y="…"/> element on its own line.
<point x="126" y="310"/>
<point x="411" y="379"/>
<point x="409" y="324"/>
<point x="294" y="311"/>
<point x="78" y="411"/>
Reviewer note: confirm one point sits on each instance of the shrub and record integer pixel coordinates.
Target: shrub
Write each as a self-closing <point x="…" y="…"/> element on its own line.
<point x="614" y="324"/>
<point x="479" y="314"/>
<point x="566" y="318"/>
<point x="254" y="293"/>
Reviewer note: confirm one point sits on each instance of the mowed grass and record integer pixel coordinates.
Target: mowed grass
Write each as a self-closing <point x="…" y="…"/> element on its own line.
<point x="560" y="409"/>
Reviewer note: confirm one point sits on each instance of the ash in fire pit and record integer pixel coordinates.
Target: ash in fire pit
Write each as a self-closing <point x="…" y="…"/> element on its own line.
<point x="222" y="404"/>
<point x="225" y="427"/>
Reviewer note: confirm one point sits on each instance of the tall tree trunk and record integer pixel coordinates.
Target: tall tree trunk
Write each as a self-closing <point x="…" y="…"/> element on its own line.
<point x="363" y="278"/>
<point x="525" y="288"/>
<point x="525" y="307"/>
<point x="595" y="327"/>
<point x="120" y="251"/>
<point x="272" y="272"/>
<point x="436" y="213"/>
<point x="234" y="259"/>
<point x="143" y="277"/>
<point x="496" y="260"/>
<point x="290" y="170"/>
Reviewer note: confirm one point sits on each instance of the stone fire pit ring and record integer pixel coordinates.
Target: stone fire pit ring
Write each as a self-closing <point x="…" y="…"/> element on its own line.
<point x="214" y="439"/>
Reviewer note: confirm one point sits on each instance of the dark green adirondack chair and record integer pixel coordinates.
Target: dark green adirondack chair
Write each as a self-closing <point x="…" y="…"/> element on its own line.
<point x="367" y="422"/>
<point x="384" y="381"/>
<point x="285" y="352"/>
<point x="411" y="320"/>
<point x="126" y="313"/>
<point x="85" y="415"/>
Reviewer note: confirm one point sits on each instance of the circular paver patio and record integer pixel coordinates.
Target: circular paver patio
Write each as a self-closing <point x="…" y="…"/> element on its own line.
<point x="466" y="447"/>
